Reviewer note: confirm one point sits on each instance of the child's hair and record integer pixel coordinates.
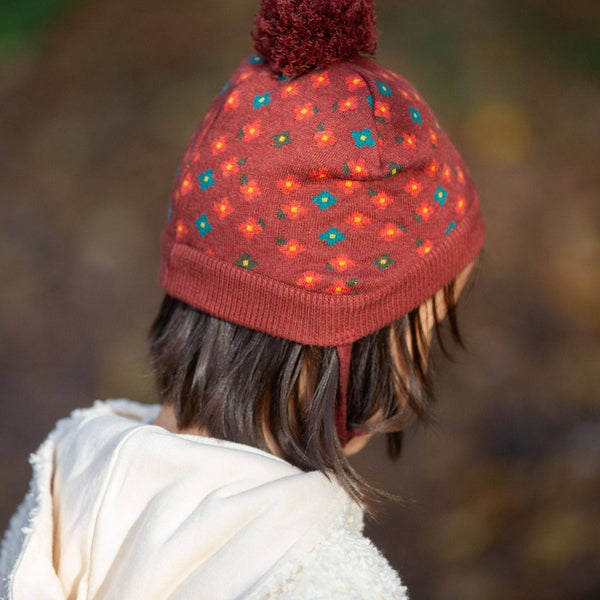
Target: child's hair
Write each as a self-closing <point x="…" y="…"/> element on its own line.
<point x="243" y="385"/>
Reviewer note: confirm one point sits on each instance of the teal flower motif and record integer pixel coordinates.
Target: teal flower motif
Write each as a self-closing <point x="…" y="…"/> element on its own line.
<point x="256" y="59"/>
<point x="261" y="100"/>
<point x="332" y="236"/>
<point x="225" y="87"/>
<point x="363" y="138"/>
<point x="415" y="115"/>
<point x="324" y="200"/>
<point x="370" y="101"/>
<point x="383" y="89"/>
<point x="202" y="225"/>
<point x="206" y="179"/>
<point x="440" y="195"/>
<point x="450" y="227"/>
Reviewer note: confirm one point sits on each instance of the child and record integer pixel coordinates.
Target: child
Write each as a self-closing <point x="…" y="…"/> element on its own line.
<point x="320" y="228"/>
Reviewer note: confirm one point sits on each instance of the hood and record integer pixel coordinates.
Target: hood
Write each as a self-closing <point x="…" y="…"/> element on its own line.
<point x="126" y="509"/>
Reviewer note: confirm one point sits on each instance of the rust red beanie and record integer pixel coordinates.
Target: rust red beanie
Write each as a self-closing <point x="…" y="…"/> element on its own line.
<point x="318" y="207"/>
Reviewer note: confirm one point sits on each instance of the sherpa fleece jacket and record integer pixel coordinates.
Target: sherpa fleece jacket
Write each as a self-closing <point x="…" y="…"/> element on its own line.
<point x="121" y="509"/>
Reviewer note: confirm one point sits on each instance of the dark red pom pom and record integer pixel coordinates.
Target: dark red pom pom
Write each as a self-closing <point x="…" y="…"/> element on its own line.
<point x="297" y="36"/>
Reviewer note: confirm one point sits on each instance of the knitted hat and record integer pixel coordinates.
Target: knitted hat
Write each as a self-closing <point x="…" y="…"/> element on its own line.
<point x="319" y="199"/>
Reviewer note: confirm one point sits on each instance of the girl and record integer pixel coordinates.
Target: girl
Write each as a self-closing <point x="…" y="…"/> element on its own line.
<point x="321" y="227"/>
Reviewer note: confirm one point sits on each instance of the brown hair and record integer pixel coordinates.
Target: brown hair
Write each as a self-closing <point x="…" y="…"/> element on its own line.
<point x="236" y="383"/>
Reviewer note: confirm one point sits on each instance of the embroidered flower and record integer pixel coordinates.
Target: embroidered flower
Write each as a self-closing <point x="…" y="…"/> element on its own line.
<point x="414" y="187"/>
<point x="451" y="227"/>
<point x="357" y="220"/>
<point x="309" y="279"/>
<point x="229" y="167"/>
<point x="415" y="115"/>
<point x="383" y="89"/>
<point x="440" y="195"/>
<point x="332" y="236"/>
<point x="355" y="82"/>
<point x="219" y="145"/>
<point x="251" y="131"/>
<point x="324" y="138"/>
<point x="341" y="262"/>
<point x="180" y="229"/>
<point x="291" y="248"/>
<point x="250" y="228"/>
<point x="303" y="111"/>
<point x="282" y="139"/>
<point x="324" y="200"/>
<point x="381" y="199"/>
<point x="293" y="210"/>
<point x="432" y="169"/>
<point x="206" y="179"/>
<point x="232" y="101"/>
<point x="320" y="79"/>
<point x="255" y="59"/>
<point x="460" y="205"/>
<point x="348" y="104"/>
<point x="357" y="168"/>
<point x="186" y="184"/>
<point x="348" y="185"/>
<point x="370" y="101"/>
<point x="433" y="138"/>
<point x="394" y="169"/>
<point x="243" y="76"/>
<point x="223" y="208"/>
<point x="288" y="184"/>
<point x="424" y="248"/>
<point x="408" y="141"/>
<point x="261" y="100"/>
<point x="460" y="176"/>
<point x="339" y="287"/>
<point x="250" y="190"/>
<point x="202" y="225"/>
<point x="382" y="110"/>
<point x="424" y="211"/>
<point x="290" y="89"/>
<point x="245" y="261"/>
<point x="320" y="174"/>
<point x="363" y="137"/>
<point x="390" y="232"/>
<point x="383" y="262"/>
<point x="446" y="173"/>
<point x="405" y="94"/>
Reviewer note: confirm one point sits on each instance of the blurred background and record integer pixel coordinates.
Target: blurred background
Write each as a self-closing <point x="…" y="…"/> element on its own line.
<point x="97" y="102"/>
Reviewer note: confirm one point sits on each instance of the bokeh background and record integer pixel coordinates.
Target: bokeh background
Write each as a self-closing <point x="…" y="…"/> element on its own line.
<point x="97" y="102"/>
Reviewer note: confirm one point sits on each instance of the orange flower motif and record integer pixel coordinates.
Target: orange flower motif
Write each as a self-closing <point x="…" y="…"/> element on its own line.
<point x="250" y="190"/>
<point x="358" y="168"/>
<point x="339" y="287"/>
<point x="232" y="101"/>
<point x="425" y="248"/>
<point x="433" y="137"/>
<point x="320" y="174"/>
<point x="210" y="252"/>
<point x="250" y="228"/>
<point x="460" y="205"/>
<point x="230" y="166"/>
<point x="382" y="109"/>
<point x="447" y="173"/>
<point x="320" y="79"/>
<point x="349" y="185"/>
<point x="219" y="145"/>
<point x="243" y="76"/>
<point x="357" y="220"/>
<point x="309" y="279"/>
<point x="304" y="111"/>
<point x="324" y="138"/>
<point x="289" y="89"/>
<point x="382" y="200"/>
<point x="405" y="94"/>
<point x="288" y="184"/>
<point x="414" y="187"/>
<point x="410" y="141"/>
<point x="355" y="82"/>
<point x="293" y="210"/>
<point x="425" y="211"/>
<point x="342" y="262"/>
<point x="432" y="169"/>
<point x="180" y="229"/>
<point x="223" y="208"/>
<point x="251" y="131"/>
<point x="348" y="104"/>
<point x="292" y="248"/>
<point x="390" y="232"/>
<point x="460" y="176"/>
<point x="186" y="184"/>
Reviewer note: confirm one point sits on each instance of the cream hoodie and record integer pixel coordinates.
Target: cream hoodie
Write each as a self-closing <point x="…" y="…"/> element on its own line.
<point x="125" y="510"/>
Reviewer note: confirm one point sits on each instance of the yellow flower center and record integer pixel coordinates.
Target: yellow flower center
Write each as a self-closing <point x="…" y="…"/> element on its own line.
<point x="288" y="184"/>
<point x="309" y="279"/>
<point x="292" y="248"/>
<point x="324" y="137"/>
<point x="252" y="130"/>
<point x="245" y="262"/>
<point x="304" y="111"/>
<point x="331" y="236"/>
<point x="294" y="209"/>
<point x="249" y="227"/>
<point x="348" y="184"/>
<point x="390" y="232"/>
<point x="250" y="190"/>
<point x="223" y="208"/>
<point x="282" y="138"/>
<point x="342" y="263"/>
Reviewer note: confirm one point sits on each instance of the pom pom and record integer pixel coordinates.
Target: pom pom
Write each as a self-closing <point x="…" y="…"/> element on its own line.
<point x="298" y="36"/>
